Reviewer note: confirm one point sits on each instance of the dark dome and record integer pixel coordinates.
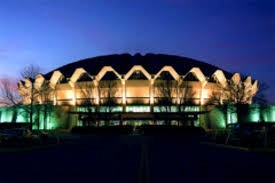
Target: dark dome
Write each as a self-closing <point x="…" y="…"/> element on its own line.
<point x="122" y="63"/>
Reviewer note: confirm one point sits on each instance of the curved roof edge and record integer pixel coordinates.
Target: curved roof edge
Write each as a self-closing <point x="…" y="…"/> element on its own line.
<point x="153" y="63"/>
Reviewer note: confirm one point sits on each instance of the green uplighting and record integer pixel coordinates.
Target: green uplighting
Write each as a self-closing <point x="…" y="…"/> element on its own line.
<point x="217" y="119"/>
<point x="232" y="118"/>
<point x="272" y="114"/>
<point x="60" y="116"/>
<point x="254" y="114"/>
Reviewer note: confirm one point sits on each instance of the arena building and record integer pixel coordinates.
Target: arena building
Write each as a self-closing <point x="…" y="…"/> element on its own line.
<point x="138" y="89"/>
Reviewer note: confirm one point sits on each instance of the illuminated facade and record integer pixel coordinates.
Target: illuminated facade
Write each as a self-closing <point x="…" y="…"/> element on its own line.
<point x="125" y="84"/>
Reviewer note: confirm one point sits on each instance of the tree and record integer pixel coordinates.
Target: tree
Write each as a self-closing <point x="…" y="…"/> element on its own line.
<point x="27" y="93"/>
<point x="260" y="97"/>
<point x="185" y="94"/>
<point x="233" y="93"/>
<point x="30" y="72"/>
<point x="93" y="96"/>
<point x="44" y="104"/>
<point x="165" y="87"/>
<point x="107" y="90"/>
<point x="166" y="91"/>
<point x="107" y="93"/>
<point x="87" y="100"/>
<point x="9" y="96"/>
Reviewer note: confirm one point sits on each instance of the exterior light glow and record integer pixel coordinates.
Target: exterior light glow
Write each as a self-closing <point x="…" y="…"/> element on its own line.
<point x="172" y="86"/>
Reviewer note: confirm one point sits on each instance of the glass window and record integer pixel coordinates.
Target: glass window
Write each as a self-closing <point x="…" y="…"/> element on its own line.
<point x="165" y="108"/>
<point x="110" y="109"/>
<point x="137" y="108"/>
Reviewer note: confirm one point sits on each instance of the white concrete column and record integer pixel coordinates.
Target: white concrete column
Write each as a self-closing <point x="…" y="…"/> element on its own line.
<point x="151" y="91"/>
<point x="201" y="94"/>
<point x="54" y="97"/>
<point x="123" y="91"/>
<point x="73" y="96"/>
<point x="178" y="91"/>
<point x="96" y="92"/>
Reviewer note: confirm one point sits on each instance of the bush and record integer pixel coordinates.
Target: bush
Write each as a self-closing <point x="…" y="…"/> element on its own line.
<point x="171" y="130"/>
<point x="9" y="125"/>
<point x="103" y="130"/>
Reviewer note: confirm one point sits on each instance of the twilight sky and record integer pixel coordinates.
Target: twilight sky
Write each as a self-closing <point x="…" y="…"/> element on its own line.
<point x="236" y="35"/>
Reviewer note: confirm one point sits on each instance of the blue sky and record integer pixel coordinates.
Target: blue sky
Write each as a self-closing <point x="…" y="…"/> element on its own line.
<point x="238" y="36"/>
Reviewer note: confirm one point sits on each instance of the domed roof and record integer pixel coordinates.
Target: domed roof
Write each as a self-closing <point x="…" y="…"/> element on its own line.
<point x="122" y="63"/>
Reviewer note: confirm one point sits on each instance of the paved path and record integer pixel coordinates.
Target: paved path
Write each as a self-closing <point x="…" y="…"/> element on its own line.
<point x="136" y="159"/>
